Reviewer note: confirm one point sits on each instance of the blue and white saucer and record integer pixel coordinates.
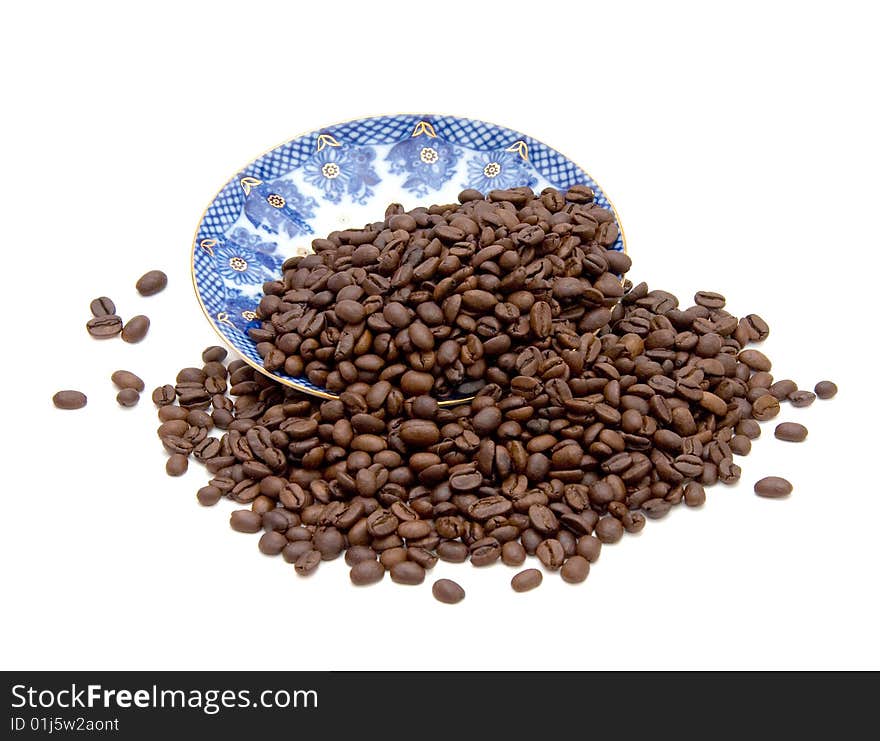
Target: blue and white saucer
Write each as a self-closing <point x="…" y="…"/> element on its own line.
<point x="344" y="176"/>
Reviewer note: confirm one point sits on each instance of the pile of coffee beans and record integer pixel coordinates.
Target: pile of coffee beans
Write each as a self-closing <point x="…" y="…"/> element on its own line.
<point x="598" y="405"/>
<point x="428" y="301"/>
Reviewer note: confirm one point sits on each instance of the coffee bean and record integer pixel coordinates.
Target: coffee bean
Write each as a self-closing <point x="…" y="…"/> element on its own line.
<point x="801" y="398"/>
<point x="358" y="553"/>
<point x="773" y="487"/>
<point x="368" y="571"/>
<point x="127" y="380"/>
<point x="589" y="546"/>
<point x="609" y="530"/>
<point x="246" y="521"/>
<point x="136" y="328"/>
<point x="407" y="572"/>
<point x="575" y="570"/>
<point x="447" y="591"/>
<point x="128" y="397"/>
<point x="104" y="326"/>
<point x="102" y="306"/>
<point x="151" y="283"/>
<point x="208" y="496"/>
<point x="825" y="389"/>
<point x="307" y="562"/>
<point x="513" y="553"/>
<point x="791" y="432"/>
<point x="755" y="360"/>
<point x="163" y="395"/>
<point x="551" y="553"/>
<point x="69" y="399"/>
<point x="765" y="407"/>
<point x="452" y="551"/>
<point x="526" y="580"/>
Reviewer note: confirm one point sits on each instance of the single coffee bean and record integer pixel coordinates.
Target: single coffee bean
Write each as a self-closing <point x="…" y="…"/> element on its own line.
<point x="791" y="432"/>
<point x="609" y="530"/>
<point x="575" y="570"/>
<point x="589" y="546"/>
<point x="513" y="553"/>
<point x="526" y="580"/>
<point x="453" y="551"/>
<point x="69" y="399"/>
<point x="246" y="521"/>
<point x="801" y="398"/>
<point x="104" y="326"/>
<point x="825" y="389"/>
<point x="208" y="496"/>
<point x="163" y="395"/>
<point x="102" y="306"/>
<point x="773" y="487"/>
<point x="694" y="494"/>
<point x="128" y="397"/>
<point x="368" y="571"/>
<point x="127" y="380"/>
<point x="447" y="591"/>
<point x="551" y="553"/>
<point x="357" y="553"/>
<point x="407" y="572"/>
<point x="765" y="407"/>
<point x="136" y="328"/>
<point x="307" y="562"/>
<point x="151" y="283"/>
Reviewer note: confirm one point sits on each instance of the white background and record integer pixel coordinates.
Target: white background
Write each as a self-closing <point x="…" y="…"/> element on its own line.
<point x="740" y="147"/>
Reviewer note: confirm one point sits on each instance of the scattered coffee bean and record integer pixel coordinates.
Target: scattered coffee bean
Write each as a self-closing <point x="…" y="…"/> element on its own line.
<point x="128" y="397"/>
<point x="208" y="496"/>
<point x="773" y="487"/>
<point x="801" y="398"/>
<point x="151" y="283"/>
<point x="366" y="572"/>
<point x="163" y="395"/>
<point x="136" y="328"/>
<point x="69" y="399"/>
<point x="246" y="521"/>
<point x="127" y="380"/>
<point x="575" y="570"/>
<point x="825" y="389"/>
<point x="104" y="326"/>
<point x="791" y="432"/>
<point x="102" y="306"/>
<point x="526" y="580"/>
<point x="513" y="553"/>
<point x="177" y="464"/>
<point x="447" y="591"/>
<point x="407" y="572"/>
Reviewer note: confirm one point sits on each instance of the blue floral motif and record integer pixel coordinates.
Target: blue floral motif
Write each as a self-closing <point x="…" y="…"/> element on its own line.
<point x="243" y="265"/>
<point x="337" y="170"/>
<point x="240" y="309"/>
<point x="278" y="207"/>
<point x="429" y="162"/>
<point x="251" y="240"/>
<point x="497" y="170"/>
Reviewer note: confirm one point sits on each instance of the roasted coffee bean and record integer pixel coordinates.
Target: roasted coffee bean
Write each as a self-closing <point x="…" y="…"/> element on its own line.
<point x="453" y="551"/>
<point x="773" y="487"/>
<point x="551" y="553"/>
<point x="609" y="530"/>
<point x="825" y="389"/>
<point x="575" y="570"/>
<point x="589" y="546"/>
<point x="104" y="326"/>
<point x="127" y="380"/>
<point x="136" y="328"/>
<point x="163" y="395"/>
<point x="307" y="562"/>
<point x="368" y="571"/>
<point x="128" y="397"/>
<point x="765" y="407"/>
<point x="208" y="496"/>
<point x="102" y="306"/>
<point x="790" y="432"/>
<point x="526" y="580"/>
<point x="801" y="398"/>
<point x="69" y="399"/>
<point x="246" y="521"/>
<point x="151" y="283"/>
<point x="694" y="494"/>
<point x="513" y="553"/>
<point x="447" y="591"/>
<point x="358" y="553"/>
<point x="407" y="572"/>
